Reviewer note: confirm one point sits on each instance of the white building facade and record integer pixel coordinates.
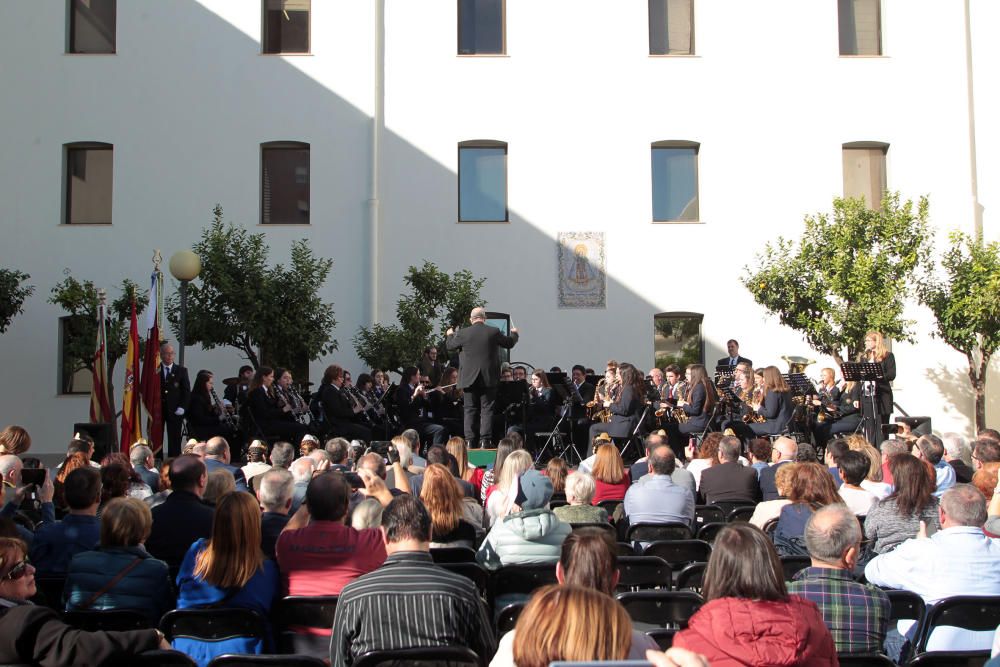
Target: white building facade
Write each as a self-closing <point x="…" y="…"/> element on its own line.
<point x="564" y="106"/>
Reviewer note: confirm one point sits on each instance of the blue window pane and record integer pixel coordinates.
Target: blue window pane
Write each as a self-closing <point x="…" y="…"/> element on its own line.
<point x="482" y="184"/>
<point x="480" y="26"/>
<point x="675" y="184"/>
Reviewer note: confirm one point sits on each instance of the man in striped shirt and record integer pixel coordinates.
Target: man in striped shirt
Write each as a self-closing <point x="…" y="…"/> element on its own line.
<point x="408" y="602"/>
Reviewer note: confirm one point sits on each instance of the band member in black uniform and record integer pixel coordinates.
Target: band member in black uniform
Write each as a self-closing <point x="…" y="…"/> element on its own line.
<point x="581" y="392"/>
<point x="373" y="408"/>
<point x="431" y="366"/>
<point x="341" y="411"/>
<point x="698" y="404"/>
<point x="413" y="404"/>
<point x="845" y="417"/>
<point x="206" y="417"/>
<point x="540" y="413"/>
<point x="776" y="407"/>
<point x="272" y="418"/>
<point x="236" y="394"/>
<point x="175" y="396"/>
<point x="447" y="402"/>
<point x="626" y="410"/>
<point x="877" y="352"/>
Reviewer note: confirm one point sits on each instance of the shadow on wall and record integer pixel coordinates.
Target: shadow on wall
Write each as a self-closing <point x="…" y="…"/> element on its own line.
<point x="954" y="385"/>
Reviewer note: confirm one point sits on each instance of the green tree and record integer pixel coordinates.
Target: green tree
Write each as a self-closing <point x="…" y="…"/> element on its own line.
<point x="80" y="301"/>
<point x="433" y="302"/>
<point x="240" y="301"/>
<point x="966" y="306"/>
<point x="12" y="295"/>
<point x="847" y="274"/>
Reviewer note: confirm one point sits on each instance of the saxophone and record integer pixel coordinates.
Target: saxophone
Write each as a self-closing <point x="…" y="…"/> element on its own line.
<point x="756" y="397"/>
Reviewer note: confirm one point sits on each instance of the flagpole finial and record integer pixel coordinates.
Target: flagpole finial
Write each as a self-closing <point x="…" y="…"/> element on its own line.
<point x="157" y="259"/>
<point x="102" y="296"/>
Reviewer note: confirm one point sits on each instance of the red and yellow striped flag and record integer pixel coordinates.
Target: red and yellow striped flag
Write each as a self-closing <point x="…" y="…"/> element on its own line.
<point x="100" y="406"/>
<point x="131" y="417"/>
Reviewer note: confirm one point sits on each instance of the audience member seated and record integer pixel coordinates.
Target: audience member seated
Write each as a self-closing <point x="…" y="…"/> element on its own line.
<point x="985" y="450"/>
<point x="225" y="571"/>
<point x="14" y="440"/>
<point x="217" y="457"/>
<point x="408" y="601"/>
<point x="33" y="634"/>
<point x="706" y="456"/>
<point x="680" y="476"/>
<point x="956" y="560"/>
<point x="655" y="498"/>
<point x="874" y="482"/>
<point x="784" y="453"/>
<point x="182" y="518"/>
<point x="161" y="495"/>
<point x="728" y="481"/>
<point x="579" y="494"/>
<point x="528" y="532"/>
<point x="589" y="559"/>
<point x="442" y="497"/>
<point x="556" y="470"/>
<point x="220" y="483"/>
<point x="499" y="499"/>
<point x="135" y="487"/>
<point x="438" y="454"/>
<point x="852" y="469"/>
<point x="930" y="448"/>
<point x="611" y="479"/>
<point x="141" y="458"/>
<point x="256" y="462"/>
<point x="831" y="457"/>
<point x="492" y="474"/>
<point x="958" y="454"/>
<point x="811" y="488"/>
<point x="367" y="514"/>
<point x="458" y="448"/>
<point x="56" y="543"/>
<point x="898" y="517"/>
<point x="15" y="492"/>
<point x="402" y="446"/>
<point x="748" y="617"/>
<point x="888" y="449"/>
<point x="302" y="473"/>
<point x="339" y="451"/>
<point x="760" y="454"/>
<point x="120" y="573"/>
<point x="72" y="462"/>
<point x="275" y="496"/>
<point x="856" y="614"/>
<point x="766" y="510"/>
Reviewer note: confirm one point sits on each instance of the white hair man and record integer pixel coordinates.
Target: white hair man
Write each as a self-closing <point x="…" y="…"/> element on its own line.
<point x="302" y="471"/>
<point x="142" y="461"/>
<point x="417" y="461"/>
<point x="958" y="454"/>
<point x="275" y="497"/>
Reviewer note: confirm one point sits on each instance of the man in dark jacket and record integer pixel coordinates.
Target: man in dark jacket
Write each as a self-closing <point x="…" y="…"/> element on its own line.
<point x="80" y="530"/>
<point x="784" y="452"/>
<point x="729" y="482"/>
<point x="479" y="371"/>
<point x="217" y="456"/>
<point x="175" y="397"/>
<point x="182" y="518"/>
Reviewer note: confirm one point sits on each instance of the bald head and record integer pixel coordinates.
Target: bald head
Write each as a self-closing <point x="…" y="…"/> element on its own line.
<point x="10" y="469"/>
<point x="217" y="448"/>
<point x="302" y="469"/>
<point x="478" y="314"/>
<point x="830" y="532"/>
<point x="786" y="448"/>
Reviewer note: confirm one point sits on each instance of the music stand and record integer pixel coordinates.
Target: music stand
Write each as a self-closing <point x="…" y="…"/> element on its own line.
<point x="724" y="375"/>
<point x="869" y="373"/>
<point x="802" y="386"/>
<point x="562" y="390"/>
<point x="512" y="394"/>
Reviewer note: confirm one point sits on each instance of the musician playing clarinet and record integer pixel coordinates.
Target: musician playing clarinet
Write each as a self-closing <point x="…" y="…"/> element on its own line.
<point x="341" y="412"/>
<point x="206" y="417"/>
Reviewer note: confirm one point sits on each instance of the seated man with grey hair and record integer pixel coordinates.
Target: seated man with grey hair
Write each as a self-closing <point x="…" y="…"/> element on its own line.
<point x="931" y="449"/>
<point x="856" y="614"/>
<point x="417" y="461"/>
<point x="656" y="498"/>
<point x="728" y="481"/>
<point x="957" y="560"/>
<point x="141" y="458"/>
<point x="302" y="471"/>
<point x="958" y="454"/>
<point x="275" y="497"/>
<point x="217" y="458"/>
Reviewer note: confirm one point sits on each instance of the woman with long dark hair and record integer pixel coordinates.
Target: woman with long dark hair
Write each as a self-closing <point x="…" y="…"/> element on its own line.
<point x="897" y="518"/>
<point x="698" y="404"/>
<point x="810" y="488"/>
<point x="204" y="416"/>
<point x="776" y="405"/>
<point x="626" y="408"/>
<point x="271" y="417"/>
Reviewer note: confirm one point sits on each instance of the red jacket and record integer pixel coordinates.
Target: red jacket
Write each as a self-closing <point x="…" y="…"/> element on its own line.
<point x="733" y="632"/>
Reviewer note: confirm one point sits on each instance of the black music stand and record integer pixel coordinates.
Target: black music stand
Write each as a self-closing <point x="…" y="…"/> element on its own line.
<point x="869" y="373"/>
<point x="800" y="385"/>
<point x="511" y="394"/>
<point x="724" y="375"/>
<point x="561" y="387"/>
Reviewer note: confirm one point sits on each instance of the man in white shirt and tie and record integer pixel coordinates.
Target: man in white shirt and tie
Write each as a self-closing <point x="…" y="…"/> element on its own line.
<point x="734" y="358"/>
<point x="175" y="395"/>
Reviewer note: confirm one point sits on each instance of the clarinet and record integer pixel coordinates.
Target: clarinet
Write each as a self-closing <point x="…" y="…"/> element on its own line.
<point x="224" y="415"/>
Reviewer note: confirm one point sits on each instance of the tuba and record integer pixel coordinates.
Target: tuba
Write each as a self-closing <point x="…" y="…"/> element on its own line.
<point x="797" y="364"/>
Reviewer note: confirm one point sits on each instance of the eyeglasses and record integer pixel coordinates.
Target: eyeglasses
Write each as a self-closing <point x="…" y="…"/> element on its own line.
<point x="17" y="571"/>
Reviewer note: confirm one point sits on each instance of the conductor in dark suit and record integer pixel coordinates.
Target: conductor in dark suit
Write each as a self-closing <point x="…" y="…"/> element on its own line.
<point x="734" y="358"/>
<point x="175" y="397"/>
<point x="479" y="371"/>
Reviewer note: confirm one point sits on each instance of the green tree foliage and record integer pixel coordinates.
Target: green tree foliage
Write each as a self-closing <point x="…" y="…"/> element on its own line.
<point x="433" y="302"/>
<point x="240" y="301"/>
<point x="966" y="306"/>
<point x="80" y="301"/>
<point x="847" y="274"/>
<point x="677" y="341"/>
<point x="12" y="295"/>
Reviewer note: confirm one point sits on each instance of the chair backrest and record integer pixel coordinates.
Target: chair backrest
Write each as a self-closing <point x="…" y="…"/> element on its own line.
<point x="769" y="527"/>
<point x="970" y="612"/>
<point x="708" y="531"/>
<point x="522" y="578"/>
<point x="249" y="660"/>
<point x="600" y="526"/>
<point x="558" y="503"/>
<point x="949" y="659"/>
<point x="507" y="617"/>
<point x="904" y="605"/>
<point x="637" y="572"/>
<point x="661" y="608"/>
<point x="709" y="514"/>
<point x="792" y="565"/>
<point x="864" y="660"/>
<point x="161" y="658"/>
<point x="474" y="571"/>
<point x="49" y="591"/>
<point x="300" y="611"/>
<point x="690" y="578"/>
<point x="110" y="619"/>
<point x="740" y="514"/>
<point x="651" y="532"/>
<point x="679" y="553"/>
<point x="213" y="624"/>
<point x="453" y="555"/>
<point x="609" y="506"/>
<point x="664" y="637"/>
<point x="625" y="549"/>
<point x="430" y="655"/>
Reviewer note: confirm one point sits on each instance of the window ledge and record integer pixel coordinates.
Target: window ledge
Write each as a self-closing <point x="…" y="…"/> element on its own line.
<point x="79" y="53"/>
<point x="296" y="55"/>
<point x="272" y="225"/>
<point x="482" y="222"/>
<point x="674" y="55"/>
<point x="862" y="57"/>
<point x="85" y="224"/>
<point x="678" y="222"/>
<point x="482" y="55"/>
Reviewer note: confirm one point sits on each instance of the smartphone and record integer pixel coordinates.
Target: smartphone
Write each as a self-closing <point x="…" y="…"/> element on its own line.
<point x="34" y="476"/>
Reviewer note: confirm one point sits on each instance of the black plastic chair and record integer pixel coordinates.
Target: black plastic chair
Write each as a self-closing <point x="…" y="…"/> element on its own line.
<point x="49" y="592"/>
<point x="709" y="514"/>
<point x="792" y="565"/>
<point x="453" y="555"/>
<point x="661" y="608"/>
<point x="246" y="660"/>
<point x="664" y="637"/>
<point x="949" y="659"/>
<point x="740" y="514"/>
<point x="864" y="660"/>
<point x="301" y="611"/>
<point x="708" y="531"/>
<point x="213" y="624"/>
<point x="641" y="572"/>
<point x="904" y="605"/>
<point x="653" y="532"/>
<point x="679" y="553"/>
<point x="769" y="527"/>
<point x="690" y="578"/>
<point x="507" y="617"/>
<point x="110" y="619"/>
<point x="970" y="612"/>
<point x="420" y="657"/>
<point x="160" y="658"/>
<point x="473" y="571"/>
<point x="522" y="579"/>
<point x="600" y="526"/>
<point x="729" y="506"/>
<point x="625" y="549"/>
<point x="609" y="506"/>
<point x="558" y="503"/>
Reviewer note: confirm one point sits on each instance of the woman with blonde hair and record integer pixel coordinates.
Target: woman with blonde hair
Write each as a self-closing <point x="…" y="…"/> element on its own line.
<point x="873" y="479"/>
<point x="228" y="570"/>
<point x="776" y="405"/>
<point x="611" y="478"/>
<point x="562" y="622"/>
<point x="442" y="498"/>
<point x="499" y="505"/>
<point x="457" y="447"/>
<point x="771" y="509"/>
<point x="877" y="352"/>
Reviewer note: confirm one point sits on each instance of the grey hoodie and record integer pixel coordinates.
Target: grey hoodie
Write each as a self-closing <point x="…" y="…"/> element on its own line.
<point x="532" y="536"/>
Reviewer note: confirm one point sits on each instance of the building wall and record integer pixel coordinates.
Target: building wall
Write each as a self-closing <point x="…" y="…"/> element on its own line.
<point x="188" y="99"/>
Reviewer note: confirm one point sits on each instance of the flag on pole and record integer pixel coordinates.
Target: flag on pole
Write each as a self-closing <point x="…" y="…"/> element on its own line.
<point x="100" y="406"/>
<point x="150" y="385"/>
<point x="131" y="412"/>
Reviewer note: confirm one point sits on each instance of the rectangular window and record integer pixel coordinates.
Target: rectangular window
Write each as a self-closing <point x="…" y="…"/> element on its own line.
<point x="860" y="27"/>
<point x="92" y="26"/>
<point x="285" y="184"/>
<point x="502" y="322"/>
<point x="89" y="177"/>
<point x="677" y="339"/>
<point x="481" y="27"/>
<point x="864" y="174"/>
<point x="286" y="26"/>
<point x="671" y="27"/>
<point x="482" y="183"/>
<point x="74" y="378"/>
<point x="675" y="183"/>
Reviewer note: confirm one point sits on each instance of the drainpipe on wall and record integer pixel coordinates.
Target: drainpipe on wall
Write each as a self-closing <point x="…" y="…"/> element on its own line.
<point x="374" y="214"/>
